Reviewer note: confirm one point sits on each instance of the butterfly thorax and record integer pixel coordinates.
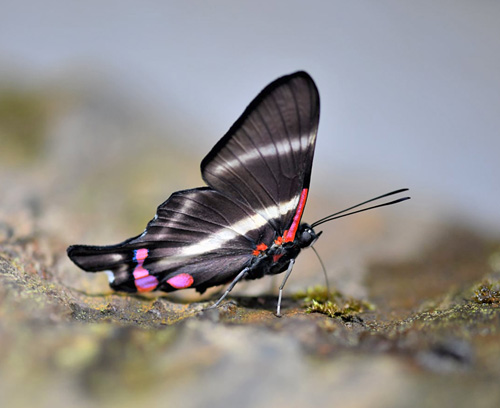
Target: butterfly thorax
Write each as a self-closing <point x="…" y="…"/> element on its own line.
<point x="276" y="258"/>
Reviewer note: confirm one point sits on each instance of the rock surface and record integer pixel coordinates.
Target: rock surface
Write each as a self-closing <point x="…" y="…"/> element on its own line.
<point x="61" y="346"/>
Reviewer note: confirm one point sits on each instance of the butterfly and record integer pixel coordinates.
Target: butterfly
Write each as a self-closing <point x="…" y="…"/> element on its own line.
<point x="246" y="223"/>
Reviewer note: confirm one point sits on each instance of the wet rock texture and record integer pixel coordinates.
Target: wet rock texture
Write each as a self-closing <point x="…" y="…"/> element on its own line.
<point x="62" y="346"/>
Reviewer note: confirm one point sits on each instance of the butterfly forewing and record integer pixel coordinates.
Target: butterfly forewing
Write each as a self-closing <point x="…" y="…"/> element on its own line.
<point x="265" y="158"/>
<point x="199" y="234"/>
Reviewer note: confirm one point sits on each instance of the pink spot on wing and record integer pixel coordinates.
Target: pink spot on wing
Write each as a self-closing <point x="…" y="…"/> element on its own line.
<point x="140" y="272"/>
<point x="181" y="281"/>
<point x="146" y="284"/>
<point x="140" y="255"/>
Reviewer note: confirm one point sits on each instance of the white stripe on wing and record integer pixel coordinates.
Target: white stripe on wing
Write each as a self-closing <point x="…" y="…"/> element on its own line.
<point x="242" y="227"/>
<point x="281" y="148"/>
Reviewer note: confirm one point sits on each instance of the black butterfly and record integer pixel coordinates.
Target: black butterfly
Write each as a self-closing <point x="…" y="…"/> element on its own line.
<point x="246" y="223"/>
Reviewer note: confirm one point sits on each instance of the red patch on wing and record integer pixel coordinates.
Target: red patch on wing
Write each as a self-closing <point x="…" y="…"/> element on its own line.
<point x="181" y="281"/>
<point x="259" y="248"/>
<point x="289" y="235"/>
<point x="262" y="247"/>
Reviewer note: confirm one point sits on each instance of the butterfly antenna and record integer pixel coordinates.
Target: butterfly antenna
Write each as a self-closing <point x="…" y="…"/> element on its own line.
<point x="324" y="273"/>
<point x="341" y="214"/>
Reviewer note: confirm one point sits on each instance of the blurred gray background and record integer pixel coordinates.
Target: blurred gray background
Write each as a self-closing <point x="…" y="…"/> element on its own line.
<point x="410" y="96"/>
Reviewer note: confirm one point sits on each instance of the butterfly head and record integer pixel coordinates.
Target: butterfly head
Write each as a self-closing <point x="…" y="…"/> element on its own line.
<point x="306" y="236"/>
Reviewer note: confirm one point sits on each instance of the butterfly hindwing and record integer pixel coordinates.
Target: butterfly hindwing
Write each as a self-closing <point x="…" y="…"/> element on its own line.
<point x="199" y="238"/>
<point x="265" y="159"/>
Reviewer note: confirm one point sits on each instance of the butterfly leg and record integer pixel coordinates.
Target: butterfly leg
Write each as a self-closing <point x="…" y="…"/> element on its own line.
<point x="287" y="274"/>
<point x="230" y="288"/>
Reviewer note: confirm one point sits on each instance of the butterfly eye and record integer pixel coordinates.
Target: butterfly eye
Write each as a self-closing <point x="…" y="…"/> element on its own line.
<point x="306" y="238"/>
